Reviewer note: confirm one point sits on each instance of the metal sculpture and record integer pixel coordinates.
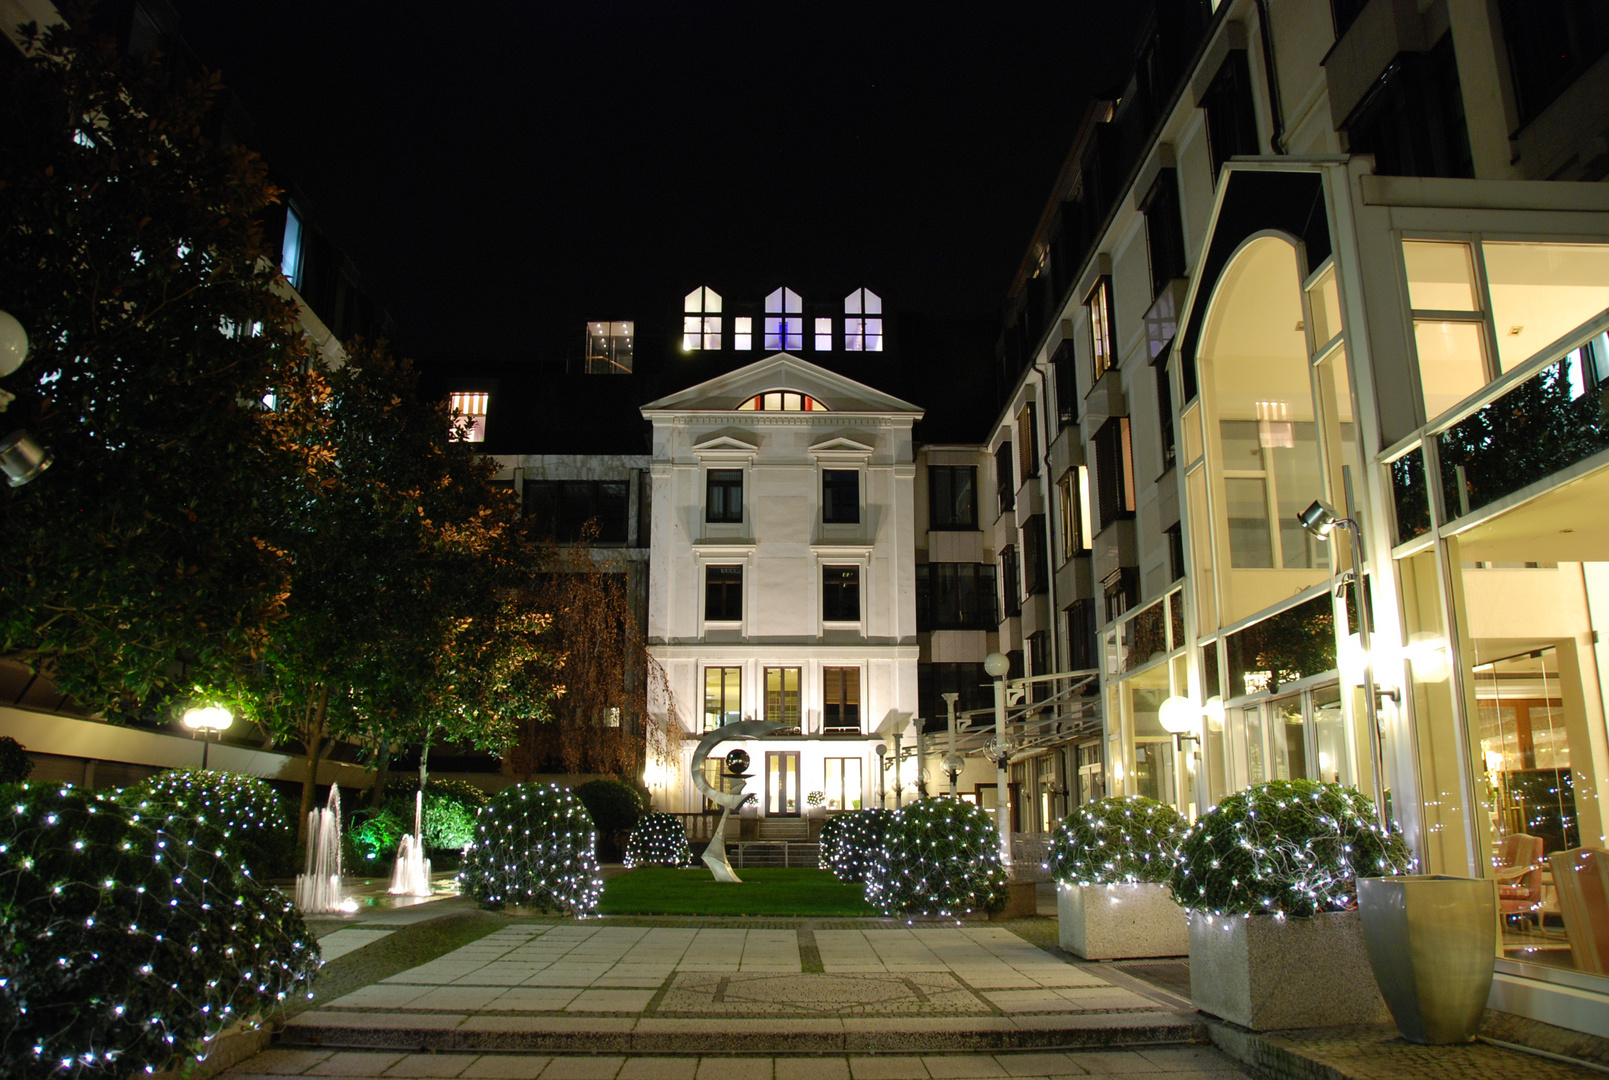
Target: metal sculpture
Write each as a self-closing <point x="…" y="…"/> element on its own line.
<point x="715" y="852"/>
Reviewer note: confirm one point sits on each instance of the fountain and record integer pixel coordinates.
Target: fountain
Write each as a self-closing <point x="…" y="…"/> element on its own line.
<point x="318" y="890"/>
<point x="411" y="875"/>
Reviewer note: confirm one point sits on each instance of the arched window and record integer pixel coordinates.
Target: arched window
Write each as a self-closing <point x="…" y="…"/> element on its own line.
<point x="784" y="321"/>
<point x="701" y="324"/>
<point x="862" y="333"/>
<point x="782" y="401"/>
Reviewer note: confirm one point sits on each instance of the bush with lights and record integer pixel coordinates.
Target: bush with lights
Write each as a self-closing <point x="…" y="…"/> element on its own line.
<point x="658" y="840"/>
<point x="246" y="810"/>
<point x="940" y="856"/>
<point x="533" y="847"/>
<point x="1116" y="841"/>
<point x="1287" y="847"/>
<point x="123" y="945"/>
<point x="851" y="842"/>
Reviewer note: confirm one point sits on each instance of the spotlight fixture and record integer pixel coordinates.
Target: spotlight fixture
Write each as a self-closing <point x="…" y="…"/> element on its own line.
<point x="1319" y="518"/>
<point x="22" y="459"/>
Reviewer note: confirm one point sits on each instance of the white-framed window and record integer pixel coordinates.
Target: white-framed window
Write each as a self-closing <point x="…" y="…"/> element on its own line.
<point x="863" y="323"/>
<point x="824" y="335"/>
<point x="701" y="321"/>
<point x="784" y="321"/>
<point x="742" y="333"/>
<point x="290" y="254"/>
<point x="472" y="407"/>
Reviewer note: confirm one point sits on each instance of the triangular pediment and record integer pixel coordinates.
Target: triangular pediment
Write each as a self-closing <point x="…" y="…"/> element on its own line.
<point x="840" y="444"/>
<point x="782" y="371"/>
<point x="722" y="441"/>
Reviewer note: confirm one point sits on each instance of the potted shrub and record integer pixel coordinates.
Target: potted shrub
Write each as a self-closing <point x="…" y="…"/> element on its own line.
<point x="1111" y="861"/>
<point x="1269" y="877"/>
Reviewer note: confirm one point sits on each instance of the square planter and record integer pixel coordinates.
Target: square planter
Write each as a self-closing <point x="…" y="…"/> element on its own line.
<point x="1268" y="973"/>
<point x="1116" y="922"/>
<point x="1020" y="902"/>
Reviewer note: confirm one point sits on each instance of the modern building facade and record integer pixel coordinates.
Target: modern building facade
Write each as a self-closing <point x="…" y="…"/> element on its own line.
<point x="1338" y="252"/>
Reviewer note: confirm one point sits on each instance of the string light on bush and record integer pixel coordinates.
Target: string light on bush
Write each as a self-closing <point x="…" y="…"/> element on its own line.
<point x="851" y="842"/>
<point x="1285" y="848"/>
<point x="247" y="811"/>
<point x="658" y="840"/>
<point x="535" y="847"/>
<point x="1120" y="840"/>
<point x="124" y="944"/>
<point x="940" y="857"/>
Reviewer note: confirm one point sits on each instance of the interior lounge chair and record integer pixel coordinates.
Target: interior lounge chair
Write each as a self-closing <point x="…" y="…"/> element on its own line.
<point x="1517" y="866"/>
<point x="1581" y="877"/>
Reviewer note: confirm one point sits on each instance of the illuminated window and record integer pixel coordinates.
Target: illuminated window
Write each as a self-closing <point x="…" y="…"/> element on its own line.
<point x="841" y="782"/>
<point x="742" y="333"/>
<point x="840" y="713"/>
<point x="784" y="323"/>
<point x="1102" y="343"/>
<point x="290" y="256"/>
<point x="609" y="347"/>
<point x="701" y="325"/>
<point x="722" y="697"/>
<point x="472" y="408"/>
<point x="824" y="335"/>
<point x="861" y="332"/>
<point x="782" y="401"/>
<point x="782" y="695"/>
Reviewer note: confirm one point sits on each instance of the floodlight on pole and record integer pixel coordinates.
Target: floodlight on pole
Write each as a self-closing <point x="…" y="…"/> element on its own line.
<point x="21" y="459"/>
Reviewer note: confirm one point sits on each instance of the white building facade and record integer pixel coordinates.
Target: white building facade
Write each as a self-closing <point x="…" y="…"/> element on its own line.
<point x="782" y="581"/>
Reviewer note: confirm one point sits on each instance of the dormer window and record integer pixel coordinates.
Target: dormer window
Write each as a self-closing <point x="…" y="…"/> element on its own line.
<point x="862" y="331"/>
<point x="472" y="408"/>
<point x="782" y="401"/>
<point x="701" y="322"/>
<point x="784" y="321"/>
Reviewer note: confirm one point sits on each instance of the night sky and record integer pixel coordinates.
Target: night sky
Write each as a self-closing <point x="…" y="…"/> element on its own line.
<point x="501" y="173"/>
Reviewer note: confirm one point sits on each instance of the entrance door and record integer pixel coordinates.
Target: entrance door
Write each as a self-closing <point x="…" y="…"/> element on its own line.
<point x="782" y="783"/>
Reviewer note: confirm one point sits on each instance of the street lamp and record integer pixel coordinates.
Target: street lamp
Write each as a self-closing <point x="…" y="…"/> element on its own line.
<point x="997" y="665"/>
<point x="1320" y="520"/>
<point x="882" y="792"/>
<point x="951" y="764"/>
<point x="206" y="720"/>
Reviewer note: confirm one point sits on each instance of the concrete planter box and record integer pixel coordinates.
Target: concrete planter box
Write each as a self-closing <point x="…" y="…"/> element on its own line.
<point x="1116" y="922"/>
<point x="1268" y="973"/>
<point x="1020" y="902"/>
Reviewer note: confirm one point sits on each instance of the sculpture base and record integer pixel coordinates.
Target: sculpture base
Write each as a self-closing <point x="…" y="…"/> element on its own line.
<point x="715" y="853"/>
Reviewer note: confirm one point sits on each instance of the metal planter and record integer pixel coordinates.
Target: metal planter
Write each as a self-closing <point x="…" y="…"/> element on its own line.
<point x="1431" y="942"/>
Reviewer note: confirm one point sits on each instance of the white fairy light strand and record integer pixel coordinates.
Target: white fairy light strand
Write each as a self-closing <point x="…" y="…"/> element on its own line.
<point x="535" y="847"/>
<point x="658" y="840"/>
<point x="1114" y="841"/>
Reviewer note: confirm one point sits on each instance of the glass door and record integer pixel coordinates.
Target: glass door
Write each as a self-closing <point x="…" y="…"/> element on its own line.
<point x="782" y="783"/>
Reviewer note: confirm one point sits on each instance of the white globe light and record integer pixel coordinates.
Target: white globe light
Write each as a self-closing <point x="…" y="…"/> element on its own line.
<point x="13" y="343"/>
<point x="996" y="664"/>
<point x="208" y="718"/>
<point x="1214" y="708"/>
<point x="1428" y="652"/>
<point x="1178" y="715"/>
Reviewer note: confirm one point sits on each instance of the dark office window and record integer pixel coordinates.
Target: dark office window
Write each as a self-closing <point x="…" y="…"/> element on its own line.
<point x="840" y="593"/>
<point x="1164" y="231"/>
<point x="1114" y="470"/>
<point x="1164" y="409"/>
<point x="723" y="495"/>
<point x="1231" y="116"/>
<point x="1035" y="562"/>
<point x="1122" y="592"/>
<point x="1175" y="552"/>
<point x="1005" y="477"/>
<point x="971" y="684"/>
<point x="1550" y="43"/>
<point x="723" y="593"/>
<point x="840" y="496"/>
<point x="952" y="492"/>
<point x="1084" y="653"/>
<point x="840" y="713"/>
<point x="1039" y="659"/>
<point x="955" y="596"/>
<point x="561" y="510"/>
<point x="1065" y="363"/>
<point x="1343" y="12"/>
<point x="1010" y="587"/>
<point x="1028" y="441"/>
<point x="1413" y="119"/>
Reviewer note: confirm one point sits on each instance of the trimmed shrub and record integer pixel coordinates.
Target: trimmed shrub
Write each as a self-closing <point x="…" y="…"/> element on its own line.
<point x="450" y="809"/>
<point x="940" y="856"/>
<point x="375" y="834"/>
<point x="850" y="842"/>
<point x="615" y="807"/>
<point x="123" y="945"/>
<point x="533" y="847"/>
<point x="247" y="811"/>
<point x="1116" y="841"/>
<point x="15" y="764"/>
<point x="659" y="840"/>
<point x="1288" y="847"/>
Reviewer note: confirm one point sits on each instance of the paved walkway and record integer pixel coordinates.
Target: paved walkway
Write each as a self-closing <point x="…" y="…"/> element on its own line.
<point x="599" y="987"/>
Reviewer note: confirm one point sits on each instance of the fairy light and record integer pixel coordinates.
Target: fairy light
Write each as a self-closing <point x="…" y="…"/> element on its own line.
<point x="90" y="990"/>
<point x="1116" y="841"/>
<point x="1286" y="848"/>
<point x="534" y="846"/>
<point x="658" y="840"/>
<point x="851" y="842"/>
<point x="940" y="857"/>
<point x="247" y="812"/>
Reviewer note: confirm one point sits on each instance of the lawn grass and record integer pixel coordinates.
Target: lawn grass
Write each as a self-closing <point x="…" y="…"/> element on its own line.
<point x="660" y="890"/>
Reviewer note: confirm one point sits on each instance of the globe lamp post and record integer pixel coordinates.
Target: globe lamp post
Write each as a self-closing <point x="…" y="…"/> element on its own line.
<point x="206" y="720"/>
